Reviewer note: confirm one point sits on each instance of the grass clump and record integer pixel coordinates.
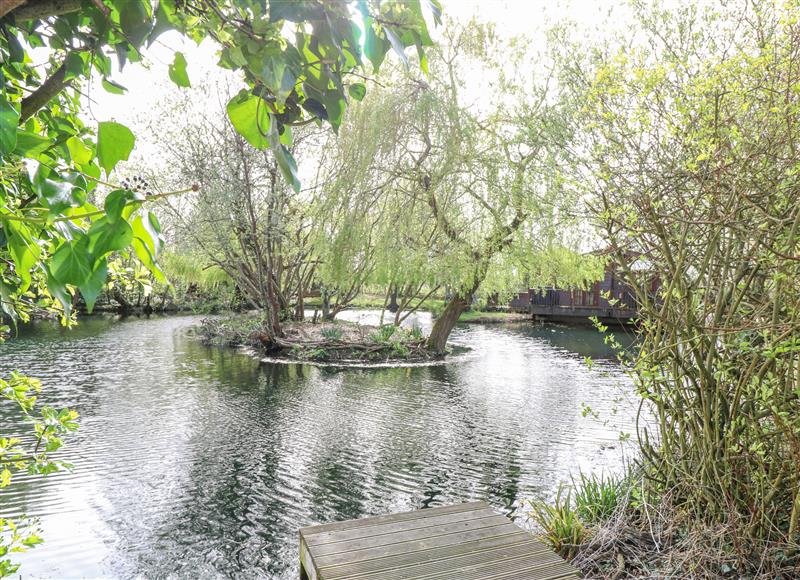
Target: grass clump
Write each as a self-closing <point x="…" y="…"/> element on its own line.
<point x="383" y="334"/>
<point x="561" y="527"/>
<point x="332" y="333"/>
<point x="597" y="497"/>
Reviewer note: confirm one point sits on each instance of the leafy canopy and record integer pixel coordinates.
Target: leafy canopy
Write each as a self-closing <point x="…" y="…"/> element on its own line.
<point x="296" y="59"/>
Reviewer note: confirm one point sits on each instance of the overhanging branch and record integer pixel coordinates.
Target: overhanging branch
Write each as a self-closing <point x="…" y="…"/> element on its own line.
<point x="41" y="96"/>
<point x="35" y="9"/>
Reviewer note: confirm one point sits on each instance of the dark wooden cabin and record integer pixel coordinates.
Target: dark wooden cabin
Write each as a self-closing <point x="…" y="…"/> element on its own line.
<point x="561" y="305"/>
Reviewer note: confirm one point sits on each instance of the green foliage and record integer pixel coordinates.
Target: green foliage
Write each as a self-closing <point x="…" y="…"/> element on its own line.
<point x="29" y="453"/>
<point x="249" y="117"/>
<point x="332" y="333"/>
<point x="384" y="333"/>
<point x="114" y="144"/>
<point x="425" y="193"/>
<point x="177" y="71"/>
<point x="689" y="145"/>
<point x="561" y="527"/>
<point x="597" y="497"/>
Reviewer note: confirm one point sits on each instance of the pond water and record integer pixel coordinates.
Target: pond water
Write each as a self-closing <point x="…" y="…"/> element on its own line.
<point x="200" y="462"/>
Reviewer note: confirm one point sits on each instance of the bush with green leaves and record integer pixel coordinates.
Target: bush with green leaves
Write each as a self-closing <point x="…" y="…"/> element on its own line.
<point x="39" y="433"/>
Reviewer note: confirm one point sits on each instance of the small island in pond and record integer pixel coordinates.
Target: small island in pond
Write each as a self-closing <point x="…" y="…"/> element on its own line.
<point x="329" y="341"/>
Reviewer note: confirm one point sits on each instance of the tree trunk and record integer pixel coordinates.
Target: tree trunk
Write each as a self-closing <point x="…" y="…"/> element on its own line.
<point x="326" y="306"/>
<point x="437" y="341"/>
<point x="393" y="305"/>
<point x="125" y="307"/>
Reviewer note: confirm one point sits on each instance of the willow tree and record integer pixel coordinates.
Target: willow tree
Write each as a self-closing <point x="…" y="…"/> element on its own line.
<point x="690" y="144"/>
<point x="473" y="172"/>
<point x="368" y="233"/>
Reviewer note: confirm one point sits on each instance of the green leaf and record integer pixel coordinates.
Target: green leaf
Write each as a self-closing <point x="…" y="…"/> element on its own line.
<point x="15" y="50"/>
<point x="177" y="71"/>
<point x="94" y="285"/>
<point x="59" y="292"/>
<point x="74" y="65"/>
<point x="79" y="152"/>
<point x="134" y="18"/>
<point x="284" y="158"/>
<point x="375" y="47"/>
<point x="249" y="117"/>
<point x="113" y="87"/>
<point x="107" y="236"/>
<point x="147" y="243"/>
<point x="357" y="91"/>
<point x="397" y="45"/>
<point x="114" y="144"/>
<point x="9" y="119"/>
<point x="72" y="263"/>
<point x="23" y="249"/>
<point x="148" y="231"/>
<point x="59" y="192"/>
<point x="117" y="200"/>
<point x="334" y="105"/>
<point x="31" y="144"/>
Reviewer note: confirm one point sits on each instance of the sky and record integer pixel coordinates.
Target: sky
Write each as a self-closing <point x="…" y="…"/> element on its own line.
<point x="149" y="84"/>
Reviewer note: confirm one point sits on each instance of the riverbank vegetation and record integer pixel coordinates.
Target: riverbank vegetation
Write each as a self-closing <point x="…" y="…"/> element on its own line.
<point x="690" y="153"/>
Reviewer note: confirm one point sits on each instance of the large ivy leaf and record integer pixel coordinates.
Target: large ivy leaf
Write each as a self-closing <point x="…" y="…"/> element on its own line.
<point x="148" y="242"/>
<point x="134" y="18"/>
<point x="79" y="152"/>
<point x="71" y="263"/>
<point x="117" y="200"/>
<point x="249" y="117"/>
<point x="375" y="47"/>
<point x="114" y="144"/>
<point x="113" y="87"/>
<point x="357" y="91"/>
<point x="31" y="144"/>
<point x="177" y="71"/>
<point x="23" y="249"/>
<point x="397" y="45"/>
<point x="284" y="158"/>
<point x="9" y="119"/>
<point x="107" y="236"/>
<point x="57" y="192"/>
<point x="59" y="291"/>
<point x="91" y="289"/>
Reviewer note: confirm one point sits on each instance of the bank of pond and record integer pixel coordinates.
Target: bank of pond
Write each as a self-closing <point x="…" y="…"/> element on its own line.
<point x="199" y="460"/>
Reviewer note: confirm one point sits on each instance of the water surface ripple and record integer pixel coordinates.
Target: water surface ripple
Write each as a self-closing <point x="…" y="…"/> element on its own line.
<point x="199" y="462"/>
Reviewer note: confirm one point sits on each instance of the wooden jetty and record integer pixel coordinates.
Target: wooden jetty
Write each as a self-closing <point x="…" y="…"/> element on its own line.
<point x="459" y="542"/>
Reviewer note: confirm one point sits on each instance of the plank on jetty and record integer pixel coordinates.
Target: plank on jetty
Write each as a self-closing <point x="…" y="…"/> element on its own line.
<point x="460" y="542"/>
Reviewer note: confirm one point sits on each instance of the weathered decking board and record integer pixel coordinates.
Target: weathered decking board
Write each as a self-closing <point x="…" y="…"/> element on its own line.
<point x="459" y="542"/>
